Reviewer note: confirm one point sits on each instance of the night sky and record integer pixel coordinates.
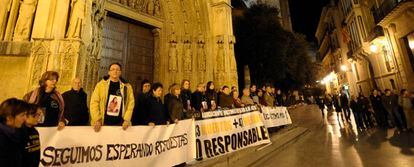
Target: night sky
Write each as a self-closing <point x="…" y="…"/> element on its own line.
<point x="305" y="16"/>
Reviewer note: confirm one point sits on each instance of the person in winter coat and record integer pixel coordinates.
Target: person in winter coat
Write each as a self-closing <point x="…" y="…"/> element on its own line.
<point x="185" y="97"/>
<point x="109" y="88"/>
<point x="29" y="137"/>
<point x="12" y="116"/>
<point x="154" y="111"/>
<point x="321" y="104"/>
<point x="225" y="99"/>
<point x="246" y="99"/>
<point x="269" y="98"/>
<point x="390" y="103"/>
<point x="138" y="114"/>
<point x="405" y="102"/>
<point x="211" y="94"/>
<point x="279" y="98"/>
<point x="199" y="99"/>
<point x="47" y="97"/>
<point x="173" y="103"/>
<point x="357" y="110"/>
<point x="345" y="106"/>
<point x="76" y="107"/>
<point x="366" y="114"/>
<point x="380" y="113"/>
<point x="253" y="94"/>
<point x="236" y="100"/>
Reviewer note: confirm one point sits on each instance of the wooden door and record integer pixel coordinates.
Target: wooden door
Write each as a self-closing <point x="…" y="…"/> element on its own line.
<point x="130" y="44"/>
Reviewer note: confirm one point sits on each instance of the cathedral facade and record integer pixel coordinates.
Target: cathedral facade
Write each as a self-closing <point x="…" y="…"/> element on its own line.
<point x="160" y="40"/>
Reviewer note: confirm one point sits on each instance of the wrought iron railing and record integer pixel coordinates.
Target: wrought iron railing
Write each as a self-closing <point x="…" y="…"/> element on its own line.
<point x="384" y="8"/>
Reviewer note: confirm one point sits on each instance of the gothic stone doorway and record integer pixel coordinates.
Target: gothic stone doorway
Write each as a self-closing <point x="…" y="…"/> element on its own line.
<point x="130" y="44"/>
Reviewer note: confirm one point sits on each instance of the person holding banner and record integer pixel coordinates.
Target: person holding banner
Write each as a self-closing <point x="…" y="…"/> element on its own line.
<point x="236" y="100"/>
<point x="270" y="100"/>
<point x="212" y="97"/>
<point x="253" y="94"/>
<point x="154" y="110"/>
<point x="199" y="99"/>
<point x="185" y="97"/>
<point x="47" y="97"/>
<point x="12" y="116"/>
<point x="76" y="107"/>
<point x="138" y="114"/>
<point x="112" y="101"/>
<point x="173" y="103"/>
<point x="225" y="99"/>
<point x="246" y="99"/>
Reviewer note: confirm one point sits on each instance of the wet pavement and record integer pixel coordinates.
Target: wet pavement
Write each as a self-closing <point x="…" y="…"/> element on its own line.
<point x="333" y="142"/>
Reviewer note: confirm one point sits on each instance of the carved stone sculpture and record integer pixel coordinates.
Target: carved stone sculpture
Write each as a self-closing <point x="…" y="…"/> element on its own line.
<point x="220" y="57"/>
<point x="187" y="56"/>
<point x="25" y="20"/>
<point x="4" y="10"/>
<point x="172" y="57"/>
<point x="77" y="15"/>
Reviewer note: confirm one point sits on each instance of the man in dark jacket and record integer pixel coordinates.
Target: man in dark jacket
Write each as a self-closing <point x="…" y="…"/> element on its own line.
<point x="225" y="99"/>
<point x="357" y="111"/>
<point x="390" y="103"/>
<point x="345" y="106"/>
<point x="138" y="114"/>
<point x="76" y="108"/>
<point x="380" y="113"/>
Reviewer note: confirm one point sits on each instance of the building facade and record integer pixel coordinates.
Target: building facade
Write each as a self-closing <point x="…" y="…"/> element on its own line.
<point x="375" y="53"/>
<point x="160" y="40"/>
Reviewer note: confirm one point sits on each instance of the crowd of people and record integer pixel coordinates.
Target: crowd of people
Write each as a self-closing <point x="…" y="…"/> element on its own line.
<point x="385" y="110"/>
<point x="112" y="103"/>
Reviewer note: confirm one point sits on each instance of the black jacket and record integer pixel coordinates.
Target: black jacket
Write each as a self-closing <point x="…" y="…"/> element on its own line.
<point x="30" y="146"/>
<point x="356" y="106"/>
<point x="344" y="101"/>
<point x="225" y="101"/>
<point x="138" y="116"/>
<point x="154" y="111"/>
<point x="197" y="99"/>
<point x="10" y="149"/>
<point x="185" y="97"/>
<point x="76" y="108"/>
<point x="211" y="96"/>
<point x="174" y="106"/>
<point x="376" y="102"/>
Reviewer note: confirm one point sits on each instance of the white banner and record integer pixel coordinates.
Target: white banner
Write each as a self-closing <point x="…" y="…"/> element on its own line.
<point x="165" y="145"/>
<point x="220" y="136"/>
<point x="275" y="116"/>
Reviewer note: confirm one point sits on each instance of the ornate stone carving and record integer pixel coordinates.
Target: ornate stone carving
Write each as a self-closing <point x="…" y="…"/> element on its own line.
<point x="98" y="17"/>
<point x="233" y="65"/>
<point x="188" y="55"/>
<point x="201" y="54"/>
<point x="77" y="15"/>
<point x="4" y="10"/>
<point x="150" y="7"/>
<point x="220" y="55"/>
<point x="25" y="20"/>
<point x="40" y="57"/>
<point x="157" y="8"/>
<point x="172" y="54"/>
<point x="157" y="65"/>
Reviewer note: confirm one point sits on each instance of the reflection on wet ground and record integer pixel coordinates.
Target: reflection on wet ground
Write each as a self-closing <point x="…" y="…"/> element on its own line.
<point x="335" y="142"/>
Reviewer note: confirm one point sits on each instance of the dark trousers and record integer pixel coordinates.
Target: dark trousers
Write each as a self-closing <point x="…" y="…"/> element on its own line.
<point x="366" y="118"/>
<point x="358" y="119"/>
<point x="347" y="113"/>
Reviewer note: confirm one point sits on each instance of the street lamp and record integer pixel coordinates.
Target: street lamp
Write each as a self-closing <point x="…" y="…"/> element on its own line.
<point x="344" y="68"/>
<point x="373" y="48"/>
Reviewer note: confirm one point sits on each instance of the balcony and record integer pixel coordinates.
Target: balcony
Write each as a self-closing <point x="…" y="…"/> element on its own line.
<point x="376" y="32"/>
<point x="384" y="8"/>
